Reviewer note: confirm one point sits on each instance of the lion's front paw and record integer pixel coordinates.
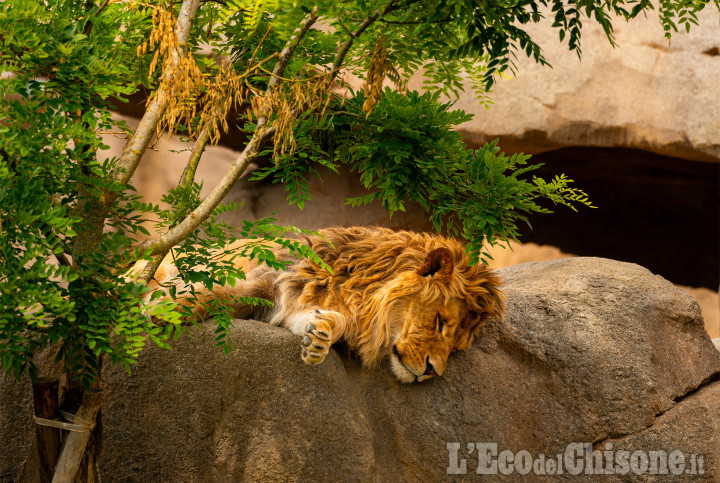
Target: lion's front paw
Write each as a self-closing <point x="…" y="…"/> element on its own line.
<point x="317" y="340"/>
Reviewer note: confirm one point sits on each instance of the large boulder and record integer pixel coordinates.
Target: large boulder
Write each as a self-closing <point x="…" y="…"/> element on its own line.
<point x="592" y="351"/>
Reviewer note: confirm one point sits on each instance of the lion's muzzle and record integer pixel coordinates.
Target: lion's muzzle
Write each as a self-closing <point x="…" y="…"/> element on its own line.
<point x="404" y="361"/>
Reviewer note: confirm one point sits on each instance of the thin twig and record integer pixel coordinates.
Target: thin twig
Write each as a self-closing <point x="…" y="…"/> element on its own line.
<point x="449" y="18"/>
<point x="342" y="26"/>
<point x="258" y="46"/>
<point x="257" y="66"/>
<point x="304" y="79"/>
<point x="188" y="174"/>
<point x="89" y="26"/>
<point x="186" y="179"/>
<point x="290" y="47"/>
<point x="345" y="47"/>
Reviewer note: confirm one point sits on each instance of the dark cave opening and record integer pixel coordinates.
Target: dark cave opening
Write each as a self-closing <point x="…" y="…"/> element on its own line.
<point x="660" y="212"/>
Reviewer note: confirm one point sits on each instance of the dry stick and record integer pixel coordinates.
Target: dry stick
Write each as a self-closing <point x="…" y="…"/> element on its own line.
<point x="137" y="144"/>
<point x="175" y="235"/>
<point x="74" y="448"/>
<point x="45" y="398"/>
<point x="259" y="44"/>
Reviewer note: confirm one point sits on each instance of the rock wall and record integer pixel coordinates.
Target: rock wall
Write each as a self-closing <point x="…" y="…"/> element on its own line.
<point x="646" y="93"/>
<point x="592" y="351"/>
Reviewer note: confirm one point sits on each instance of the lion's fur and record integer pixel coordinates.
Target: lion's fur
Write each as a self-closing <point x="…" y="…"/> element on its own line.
<point x="373" y="270"/>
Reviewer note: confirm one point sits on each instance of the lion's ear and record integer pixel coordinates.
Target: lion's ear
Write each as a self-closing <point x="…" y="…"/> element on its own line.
<point x="438" y="263"/>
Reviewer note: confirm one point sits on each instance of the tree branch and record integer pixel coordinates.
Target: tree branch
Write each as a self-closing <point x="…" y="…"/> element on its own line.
<point x="417" y="22"/>
<point x="188" y="174"/>
<point x="138" y="143"/>
<point x="186" y="179"/>
<point x="345" y="47"/>
<point x="290" y="47"/>
<point x="176" y="234"/>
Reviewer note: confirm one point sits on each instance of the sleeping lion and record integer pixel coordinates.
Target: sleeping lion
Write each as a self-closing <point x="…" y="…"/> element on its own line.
<point x="409" y="296"/>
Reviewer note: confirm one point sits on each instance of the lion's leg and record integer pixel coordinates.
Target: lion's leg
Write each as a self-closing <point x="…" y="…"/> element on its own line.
<point x="319" y="330"/>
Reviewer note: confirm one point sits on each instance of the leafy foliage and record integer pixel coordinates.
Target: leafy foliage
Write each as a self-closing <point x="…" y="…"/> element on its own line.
<point x="407" y="150"/>
<point x="64" y="59"/>
<point x="71" y="224"/>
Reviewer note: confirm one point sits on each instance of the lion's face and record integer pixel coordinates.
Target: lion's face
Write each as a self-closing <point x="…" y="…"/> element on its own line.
<point x="429" y="322"/>
<point x="429" y="333"/>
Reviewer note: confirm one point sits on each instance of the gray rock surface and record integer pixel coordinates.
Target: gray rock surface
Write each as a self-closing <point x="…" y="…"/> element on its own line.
<point x="646" y="93"/>
<point x="692" y="427"/>
<point x="593" y="350"/>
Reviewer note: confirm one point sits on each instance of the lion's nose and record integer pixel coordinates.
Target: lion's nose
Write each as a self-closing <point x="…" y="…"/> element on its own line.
<point x="429" y="369"/>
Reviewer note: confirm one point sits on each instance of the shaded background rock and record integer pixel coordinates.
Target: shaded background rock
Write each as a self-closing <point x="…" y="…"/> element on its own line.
<point x="593" y="350"/>
<point x="659" y="212"/>
<point x="635" y="126"/>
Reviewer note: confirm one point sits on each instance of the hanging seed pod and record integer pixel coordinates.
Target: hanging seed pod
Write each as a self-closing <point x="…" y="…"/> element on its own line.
<point x="375" y="77"/>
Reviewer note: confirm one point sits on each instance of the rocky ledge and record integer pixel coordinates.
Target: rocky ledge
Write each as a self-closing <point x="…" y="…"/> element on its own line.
<point x="646" y="93"/>
<point x="594" y="355"/>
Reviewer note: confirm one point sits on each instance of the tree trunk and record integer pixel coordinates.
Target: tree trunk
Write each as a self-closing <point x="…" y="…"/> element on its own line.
<point x="88" y="467"/>
<point x="45" y="396"/>
<point x="73" y="452"/>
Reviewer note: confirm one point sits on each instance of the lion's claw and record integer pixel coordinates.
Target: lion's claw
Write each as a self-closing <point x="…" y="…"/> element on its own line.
<point x="317" y="340"/>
